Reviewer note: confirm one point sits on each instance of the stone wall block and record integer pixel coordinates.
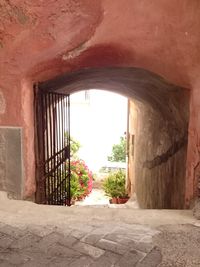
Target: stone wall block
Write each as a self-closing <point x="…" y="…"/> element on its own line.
<point x="11" y="161"/>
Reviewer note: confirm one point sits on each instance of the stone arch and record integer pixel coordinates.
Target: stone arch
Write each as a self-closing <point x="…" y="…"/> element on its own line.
<point x="161" y="137"/>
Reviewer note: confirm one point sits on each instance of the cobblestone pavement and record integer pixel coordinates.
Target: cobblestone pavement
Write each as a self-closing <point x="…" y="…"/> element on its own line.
<point x="32" y="235"/>
<point x="108" y="245"/>
<point x="120" y="245"/>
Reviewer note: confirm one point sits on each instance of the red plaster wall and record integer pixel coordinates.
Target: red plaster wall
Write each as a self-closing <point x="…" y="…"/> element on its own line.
<point x="193" y="157"/>
<point x="40" y="39"/>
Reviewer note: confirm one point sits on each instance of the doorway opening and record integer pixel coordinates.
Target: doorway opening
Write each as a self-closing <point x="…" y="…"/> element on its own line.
<point x="158" y="111"/>
<point x="78" y="154"/>
<point x="99" y="132"/>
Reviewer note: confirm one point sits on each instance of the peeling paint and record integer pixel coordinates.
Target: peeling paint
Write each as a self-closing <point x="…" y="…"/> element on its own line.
<point x="75" y="52"/>
<point x="21" y="16"/>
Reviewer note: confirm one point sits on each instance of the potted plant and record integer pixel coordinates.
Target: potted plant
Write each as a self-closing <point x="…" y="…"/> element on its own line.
<point x="114" y="187"/>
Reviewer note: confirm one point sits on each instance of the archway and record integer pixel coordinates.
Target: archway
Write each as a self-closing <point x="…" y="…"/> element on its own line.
<point x="161" y="138"/>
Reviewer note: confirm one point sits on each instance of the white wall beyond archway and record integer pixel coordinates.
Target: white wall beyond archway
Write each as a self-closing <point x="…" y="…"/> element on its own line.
<point x="97" y="123"/>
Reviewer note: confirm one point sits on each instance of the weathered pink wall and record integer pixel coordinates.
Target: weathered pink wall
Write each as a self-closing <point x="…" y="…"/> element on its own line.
<point x="39" y="40"/>
<point x="193" y="157"/>
<point x="28" y="135"/>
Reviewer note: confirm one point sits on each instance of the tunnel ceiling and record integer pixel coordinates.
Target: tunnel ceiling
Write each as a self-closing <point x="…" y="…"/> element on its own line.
<point x="132" y="82"/>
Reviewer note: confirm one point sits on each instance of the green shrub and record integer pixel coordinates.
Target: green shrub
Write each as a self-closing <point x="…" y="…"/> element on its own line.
<point x="119" y="151"/>
<point x="115" y="184"/>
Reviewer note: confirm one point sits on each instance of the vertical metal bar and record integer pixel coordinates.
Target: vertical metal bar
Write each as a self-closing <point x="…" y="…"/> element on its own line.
<point x="54" y="148"/>
<point x="47" y="147"/>
<point x="68" y="145"/>
<point x="56" y="156"/>
<point x="38" y="140"/>
<point x="51" y="149"/>
<point x="59" y="149"/>
<point x="62" y="142"/>
<point x="42" y="165"/>
<point x="66" y="151"/>
<point x="45" y="137"/>
<point x="64" y="145"/>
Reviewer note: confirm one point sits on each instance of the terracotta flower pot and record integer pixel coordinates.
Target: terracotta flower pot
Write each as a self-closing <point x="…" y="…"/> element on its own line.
<point x="114" y="200"/>
<point x="122" y="200"/>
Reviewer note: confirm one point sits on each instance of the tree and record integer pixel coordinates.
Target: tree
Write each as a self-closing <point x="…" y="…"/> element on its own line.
<point x="119" y="151"/>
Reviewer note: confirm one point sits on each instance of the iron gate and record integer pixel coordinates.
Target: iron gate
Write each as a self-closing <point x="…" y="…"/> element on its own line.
<point x="53" y="148"/>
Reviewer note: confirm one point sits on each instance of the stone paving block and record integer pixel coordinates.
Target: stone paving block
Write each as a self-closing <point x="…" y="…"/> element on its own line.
<point x="143" y="247"/>
<point x="135" y="235"/>
<point x="82" y="262"/>
<point x="91" y="238"/>
<point x="131" y="244"/>
<point x="66" y="231"/>
<point x="102" y="263"/>
<point x="13" y="257"/>
<point x="115" y="237"/>
<point x="47" y="241"/>
<point x="60" y="262"/>
<point x="137" y="228"/>
<point x="85" y="228"/>
<point x="153" y="259"/>
<point x="103" y="230"/>
<point x="77" y="234"/>
<point x="107" y="260"/>
<point x="5" y="241"/>
<point x="68" y="241"/>
<point x="112" y="246"/>
<point x="36" y="257"/>
<point x="130" y="259"/>
<point x="12" y="231"/>
<point x="56" y="256"/>
<point x="41" y="231"/>
<point x="57" y="250"/>
<point x="112" y="257"/>
<point x="53" y="238"/>
<point x="87" y="249"/>
<point x="34" y="263"/>
<point x="146" y="239"/>
<point x="5" y="264"/>
<point x="27" y="241"/>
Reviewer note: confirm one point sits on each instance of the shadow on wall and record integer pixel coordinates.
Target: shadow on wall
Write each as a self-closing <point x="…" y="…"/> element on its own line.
<point x="160" y="160"/>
